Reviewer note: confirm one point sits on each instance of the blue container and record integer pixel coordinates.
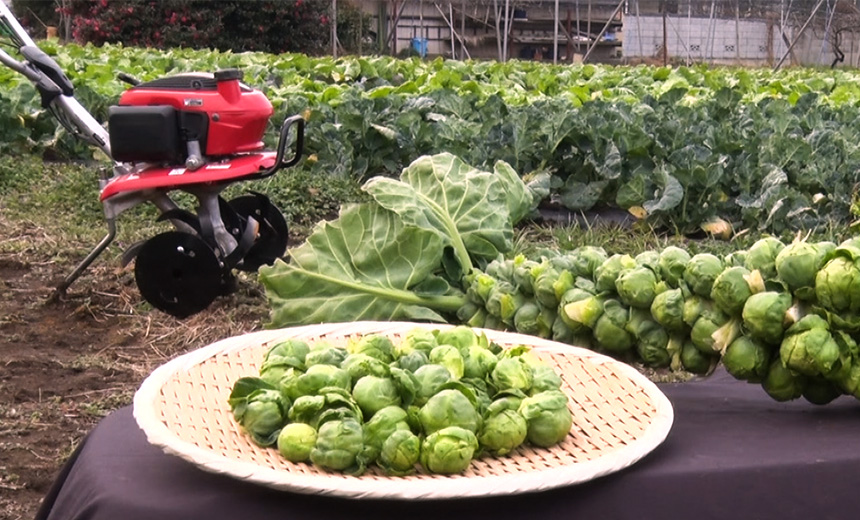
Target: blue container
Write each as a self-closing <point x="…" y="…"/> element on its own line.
<point x="420" y="46"/>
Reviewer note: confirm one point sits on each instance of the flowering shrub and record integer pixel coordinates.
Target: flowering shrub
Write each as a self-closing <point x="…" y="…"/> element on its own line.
<point x="266" y="26"/>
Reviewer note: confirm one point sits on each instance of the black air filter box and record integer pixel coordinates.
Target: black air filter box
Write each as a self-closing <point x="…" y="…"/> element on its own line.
<point x="145" y="134"/>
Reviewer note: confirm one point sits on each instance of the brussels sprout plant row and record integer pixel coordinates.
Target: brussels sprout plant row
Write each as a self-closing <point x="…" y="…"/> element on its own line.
<point x="432" y="247"/>
<point x="764" y="150"/>
<point x="436" y="399"/>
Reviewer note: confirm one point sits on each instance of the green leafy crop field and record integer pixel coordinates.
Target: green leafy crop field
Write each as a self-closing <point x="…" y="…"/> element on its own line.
<point x="679" y="148"/>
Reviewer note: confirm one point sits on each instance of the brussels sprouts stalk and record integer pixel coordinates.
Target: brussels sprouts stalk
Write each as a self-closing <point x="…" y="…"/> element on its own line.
<point x="674" y="349"/>
<point x="726" y="334"/>
<point x="585" y="311"/>
<point x="794" y="313"/>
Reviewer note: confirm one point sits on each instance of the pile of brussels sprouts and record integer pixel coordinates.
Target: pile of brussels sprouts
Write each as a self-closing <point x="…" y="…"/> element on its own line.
<point x="786" y="316"/>
<point x="435" y="400"/>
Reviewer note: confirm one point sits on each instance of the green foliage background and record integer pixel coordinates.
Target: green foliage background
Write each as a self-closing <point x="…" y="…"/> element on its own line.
<point x="681" y="147"/>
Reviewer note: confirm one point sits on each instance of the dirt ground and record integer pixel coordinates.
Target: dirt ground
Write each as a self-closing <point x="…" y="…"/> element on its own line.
<point x="66" y="364"/>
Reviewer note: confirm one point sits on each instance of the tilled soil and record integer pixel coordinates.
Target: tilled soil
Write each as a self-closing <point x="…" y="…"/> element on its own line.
<point x="65" y="364"/>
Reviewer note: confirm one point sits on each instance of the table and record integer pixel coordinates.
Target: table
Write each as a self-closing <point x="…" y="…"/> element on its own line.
<point x="732" y="453"/>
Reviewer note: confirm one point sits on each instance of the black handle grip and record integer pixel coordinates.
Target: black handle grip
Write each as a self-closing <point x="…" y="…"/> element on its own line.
<point x="128" y="78"/>
<point x="300" y="140"/>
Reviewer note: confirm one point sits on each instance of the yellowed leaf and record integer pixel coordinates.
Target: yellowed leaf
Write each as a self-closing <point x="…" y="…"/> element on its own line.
<point x="719" y="228"/>
<point x="638" y="211"/>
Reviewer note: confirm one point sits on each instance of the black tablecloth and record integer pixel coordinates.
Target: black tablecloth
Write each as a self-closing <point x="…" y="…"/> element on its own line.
<point x="733" y="453"/>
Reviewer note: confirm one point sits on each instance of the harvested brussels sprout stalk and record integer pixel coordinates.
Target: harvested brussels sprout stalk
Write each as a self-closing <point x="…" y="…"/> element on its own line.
<point x="431" y="402"/>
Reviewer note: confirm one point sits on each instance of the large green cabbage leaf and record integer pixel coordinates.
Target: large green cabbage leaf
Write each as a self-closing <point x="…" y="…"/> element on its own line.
<point x="470" y="210"/>
<point x="365" y="265"/>
<point x="383" y="260"/>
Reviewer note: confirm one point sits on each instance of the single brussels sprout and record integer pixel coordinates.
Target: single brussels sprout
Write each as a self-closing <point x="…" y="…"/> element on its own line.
<point x="374" y="393"/>
<point x="544" y="378"/>
<point x="650" y="259"/>
<point x="479" y="363"/>
<point x="544" y="287"/>
<point x="609" y="331"/>
<point x="809" y="348"/>
<point x="561" y="332"/>
<point x="781" y="383"/>
<point x="527" y="319"/>
<point x="695" y="361"/>
<point x="652" y="347"/>
<point x="695" y="306"/>
<point x="479" y="319"/>
<point x="639" y="321"/>
<point x="572" y="295"/>
<point x="413" y="361"/>
<point x="406" y="383"/>
<point x="294" y="349"/>
<point x="637" y="287"/>
<point x="733" y="287"/>
<point x="478" y="388"/>
<point x="296" y="441"/>
<point x="747" y="359"/>
<point x="837" y="284"/>
<point x="667" y="309"/>
<point x="480" y="287"/>
<point x="338" y="446"/>
<point x="360" y="365"/>
<point x="505" y="402"/>
<point x="325" y="354"/>
<point x="762" y="256"/>
<point x="702" y="333"/>
<point x="512" y="373"/>
<point x="448" y="450"/>
<point x="419" y="338"/>
<point x="374" y="345"/>
<point x="501" y="269"/>
<point x="606" y="273"/>
<point x="546" y="319"/>
<point x="584" y="313"/>
<point x="798" y="263"/>
<point x="503" y="302"/>
<point x="547" y="416"/>
<point x="468" y="311"/>
<point x="848" y="353"/>
<point x="586" y="259"/>
<point x="329" y="404"/>
<point x="672" y="263"/>
<point x="431" y="378"/>
<point x="820" y="391"/>
<point x="735" y="258"/>
<point x="764" y="315"/>
<point x="562" y="284"/>
<point x="700" y="273"/>
<point x="448" y="408"/>
<point x="315" y="378"/>
<point x="460" y="336"/>
<point x="283" y="356"/>
<point x="849" y="380"/>
<point x="380" y="427"/>
<point x="400" y="453"/>
<point x="503" y="432"/>
<point x="259" y="408"/>
<point x="449" y="357"/>
<point x="522" y="274"/>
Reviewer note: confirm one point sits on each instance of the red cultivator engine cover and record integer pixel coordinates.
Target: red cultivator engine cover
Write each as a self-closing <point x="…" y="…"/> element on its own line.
<point x="156" y="120"/>
<point x="195" y="133"/>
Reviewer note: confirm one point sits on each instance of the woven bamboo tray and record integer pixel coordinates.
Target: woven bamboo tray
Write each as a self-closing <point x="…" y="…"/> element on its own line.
<point x="619" y="417"/>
